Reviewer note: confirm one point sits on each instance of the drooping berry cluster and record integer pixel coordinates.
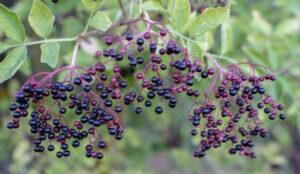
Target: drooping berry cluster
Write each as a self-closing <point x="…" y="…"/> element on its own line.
<point x="235" y="114"/>
<point x="86" y="99"/>
<point x="71" y="110"/>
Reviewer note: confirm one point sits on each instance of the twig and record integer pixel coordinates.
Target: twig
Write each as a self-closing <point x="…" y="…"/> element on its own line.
<point x="122" y="8"/>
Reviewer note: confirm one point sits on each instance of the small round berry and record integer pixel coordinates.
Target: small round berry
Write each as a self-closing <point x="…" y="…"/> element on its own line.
<point x="204" y="74"/>
<point x="153" y="48"/>
<point x="158" y="110"/>
<point x="62" y="110"/>
<point x="66" y="153"/>
<point x="129" y="36"/>
<point x="232" y="151"/>
<point x="147" y="35"/>
<point x="64" y="146"/>
<point x="75" y="143"/>
<point x="140" y="41"/>
<point x="282" y="116"/>
<point x="118" y="109"/>
<point x="13" y="107"/>
<point x="101" y="144"/>
<point x="50" y="148"/>
<point x="138" y="110"/>
<point x="194" y="132"/>
<point x="140" y="60"/>
<point x="77" y="81"/>
<point x="99" y="155"/>
<point x="108" y="40"/>
<point x="10" y="125"/>
<point x="148" y="103"/>
<point x="163" y="32"/>
<point x="59" y="154"/>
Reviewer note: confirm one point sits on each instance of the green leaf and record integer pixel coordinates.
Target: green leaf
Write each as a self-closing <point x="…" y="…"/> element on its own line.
<point x="41" y="19"/>
<point x="4" y="47"/>
<point x="50" y="53"/>
<point x="135" y="9"/>
<point x="180" y="11"/>
<point x="260" y="24"/>
<point x="196" y="49"/>
<point x="12" y="62"/>
<point x="189" y="23"/>
<point x="226" y="37"/>
<point x="11" y="24"/>
<point x="209" y="19"/>
<point x="92" y="4"/>
<point x="293" y="27"/>
<point x="101" y="21"/>
<point x="26" y="68"/>
<point x="153" y="6"/>
<point x="206" y="41"/>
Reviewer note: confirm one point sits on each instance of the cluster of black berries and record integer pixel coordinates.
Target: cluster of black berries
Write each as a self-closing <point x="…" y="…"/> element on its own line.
<point x="166" y="70"/>
<point x="200" y="5"/>
<point x="86" y="99"/>
<point x="74" y="109"/>
<point x="235" y="115"/>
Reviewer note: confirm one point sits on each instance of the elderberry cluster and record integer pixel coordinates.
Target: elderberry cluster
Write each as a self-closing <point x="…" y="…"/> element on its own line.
<point x="236" y="119"/>
<point x="65" y="112"/>
<point x="86" y="99"/>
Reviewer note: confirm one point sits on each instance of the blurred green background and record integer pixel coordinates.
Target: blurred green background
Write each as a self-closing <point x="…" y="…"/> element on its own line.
<point x="264" y="31"/>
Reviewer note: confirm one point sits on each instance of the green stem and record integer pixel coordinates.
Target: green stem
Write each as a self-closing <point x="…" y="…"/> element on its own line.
<point x="88" y="22"/>
<point x="45" y="41"/>
<point x="75" y="51"/>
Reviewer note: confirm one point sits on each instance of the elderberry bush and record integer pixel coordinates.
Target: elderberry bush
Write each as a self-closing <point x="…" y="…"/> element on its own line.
<point x="62" y="114"/>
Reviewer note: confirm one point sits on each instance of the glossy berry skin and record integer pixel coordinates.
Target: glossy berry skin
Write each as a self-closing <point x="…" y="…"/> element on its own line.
<point x="158" y="110"/>
<point x="140" y="41"/>
<point x="50" y="148"/>
<point x="129" y="36"/>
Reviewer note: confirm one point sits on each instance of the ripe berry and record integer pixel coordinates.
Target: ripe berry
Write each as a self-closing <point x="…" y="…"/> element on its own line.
<point x="59" y="154"/>
<point x="129" y="36"/>
<point x="101" y="144"/>
<point x="140" y="60"/>
<point x="77" y="81"/>
<point x="75" y="143"/>
<point x="50" y="148"/>
<point x="140" y="41"/>
<point x="12" y="107"/>
<point x="138" y="110"/>
<point x="282" y="116"/>
<point x="158" y="110"/>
